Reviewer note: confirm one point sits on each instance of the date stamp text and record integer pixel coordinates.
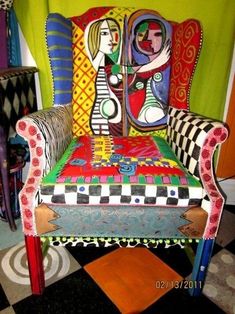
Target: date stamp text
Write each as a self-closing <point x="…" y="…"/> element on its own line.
<point x="178" y="284"/>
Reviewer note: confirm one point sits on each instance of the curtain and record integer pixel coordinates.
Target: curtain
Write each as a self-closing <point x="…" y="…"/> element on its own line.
<point x="217" y="17"/>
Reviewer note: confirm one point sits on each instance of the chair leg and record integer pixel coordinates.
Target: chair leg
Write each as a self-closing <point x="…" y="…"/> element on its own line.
<point x="201" y="263"/>
<point x="35" y="264"/>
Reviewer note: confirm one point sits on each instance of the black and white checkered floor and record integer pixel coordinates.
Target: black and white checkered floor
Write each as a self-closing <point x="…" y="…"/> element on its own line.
<point x="70" y="289"/>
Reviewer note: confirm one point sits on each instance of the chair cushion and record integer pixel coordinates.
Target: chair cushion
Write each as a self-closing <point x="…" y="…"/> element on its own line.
<point x="140" y="170"/>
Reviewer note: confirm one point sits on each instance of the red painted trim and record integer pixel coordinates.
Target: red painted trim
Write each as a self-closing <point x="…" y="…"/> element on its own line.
<point x="35" y="264"/>
<point x="216" y="135"/>
<point x="27" y="196"/>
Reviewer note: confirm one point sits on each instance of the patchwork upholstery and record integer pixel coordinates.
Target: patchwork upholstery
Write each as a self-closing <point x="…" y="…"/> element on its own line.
<point x="120" y="136"/>
<point x="120" y="170"/>
<point x="119" y="159"/>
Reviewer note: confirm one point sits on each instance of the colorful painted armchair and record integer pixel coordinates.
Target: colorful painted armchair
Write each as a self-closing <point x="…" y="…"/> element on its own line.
<point x="119" y="158"/>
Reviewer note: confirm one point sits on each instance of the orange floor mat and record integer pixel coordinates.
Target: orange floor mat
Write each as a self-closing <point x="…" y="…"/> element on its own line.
<point x="133" y="278"/>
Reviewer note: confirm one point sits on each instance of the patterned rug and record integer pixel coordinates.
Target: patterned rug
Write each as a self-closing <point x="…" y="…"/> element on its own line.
<point x="220" y="281"/>
<point x="14" y="275"/>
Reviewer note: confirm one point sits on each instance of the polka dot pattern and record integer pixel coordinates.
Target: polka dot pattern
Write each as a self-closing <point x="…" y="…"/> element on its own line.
<point x="215" y="136"/>
<point x="210" y="291"/>
<point x="227" y="259"/>
<point x="28" y="193"/>
<point x="213" y="268"/>
<point x="220" y="281"/>
<point x="230" y="280"/>
<point x="35" y="128"/>
<point x="6" y="4"/>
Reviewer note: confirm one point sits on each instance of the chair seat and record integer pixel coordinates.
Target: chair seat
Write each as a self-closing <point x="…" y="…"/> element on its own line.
<point x="108" y="170"/>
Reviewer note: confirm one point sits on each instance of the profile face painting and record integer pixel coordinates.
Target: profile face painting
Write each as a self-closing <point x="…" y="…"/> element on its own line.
<point x="135" y="93"/>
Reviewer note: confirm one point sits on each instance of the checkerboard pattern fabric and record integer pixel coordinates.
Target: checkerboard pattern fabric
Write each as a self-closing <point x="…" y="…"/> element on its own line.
<point x="120" y="194"/>
<point x="186" y="134"/>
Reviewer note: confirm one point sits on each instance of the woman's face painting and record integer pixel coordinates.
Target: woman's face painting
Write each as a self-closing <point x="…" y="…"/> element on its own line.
<point x="149" y="38"/>
<point x="109" y="37"/>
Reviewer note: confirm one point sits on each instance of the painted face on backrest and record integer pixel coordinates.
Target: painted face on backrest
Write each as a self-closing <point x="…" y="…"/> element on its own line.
<point x="109" y="36"/>
<point x="149" y="37"/>
<point x="104" y="36"/>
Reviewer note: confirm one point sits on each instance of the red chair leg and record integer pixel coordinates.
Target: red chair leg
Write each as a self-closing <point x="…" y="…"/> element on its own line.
<point x="35" y="264"/>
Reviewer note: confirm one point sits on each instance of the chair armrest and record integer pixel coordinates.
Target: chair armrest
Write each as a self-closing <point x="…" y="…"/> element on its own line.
<point x="188" y="133"/>
<point x="194" y="139"/>
<point x="48" y="133"/>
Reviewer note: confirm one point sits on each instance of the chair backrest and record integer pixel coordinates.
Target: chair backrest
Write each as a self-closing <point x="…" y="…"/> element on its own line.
<point x="129" y="65"/>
